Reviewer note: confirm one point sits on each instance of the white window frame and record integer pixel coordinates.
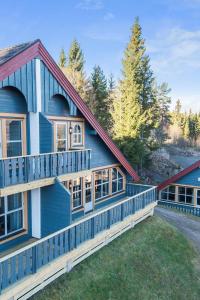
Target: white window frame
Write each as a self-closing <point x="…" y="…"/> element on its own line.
<point x="81" y="134"/>
<point x="73" y="192"/>
<point x="166" y="191"/>
<point x="186" y="195"/>
<point x="14" y="141"/>
<point x="117" y="180"/>
<point x="66" y="136"/>
<point x="8" y="212"/>
<point x="101" y="184"/>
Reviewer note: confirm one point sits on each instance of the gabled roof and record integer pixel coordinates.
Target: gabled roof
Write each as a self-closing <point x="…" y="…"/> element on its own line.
<point x="10" y="52"/>
<point x="22" y="55"/>
<point x="179" y="175"/>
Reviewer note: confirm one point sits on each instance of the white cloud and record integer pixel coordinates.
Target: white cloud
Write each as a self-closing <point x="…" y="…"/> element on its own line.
<point x="90" y="4"/>
<point x="108" y="16"/>
<point x="175" y="50"/>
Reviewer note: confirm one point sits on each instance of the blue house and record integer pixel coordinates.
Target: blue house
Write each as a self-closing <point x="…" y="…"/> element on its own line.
<point x="183" y="188"/>
<point x="62" y="179"/>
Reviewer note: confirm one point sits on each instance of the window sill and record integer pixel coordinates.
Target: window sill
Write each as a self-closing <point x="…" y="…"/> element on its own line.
<point x="14" y="236"/>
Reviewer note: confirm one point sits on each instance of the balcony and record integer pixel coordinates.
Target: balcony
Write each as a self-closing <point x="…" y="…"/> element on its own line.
<point x="57" y="253"/>
<point x="24" y="169"/>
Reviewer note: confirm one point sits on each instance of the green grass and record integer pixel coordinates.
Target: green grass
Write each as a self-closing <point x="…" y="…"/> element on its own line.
<point x="151" y="261"/>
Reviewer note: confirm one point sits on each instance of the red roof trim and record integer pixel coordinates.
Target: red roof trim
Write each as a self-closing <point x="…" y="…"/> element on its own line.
<point x="179" y="175"/>
<point x="38" y="49"/>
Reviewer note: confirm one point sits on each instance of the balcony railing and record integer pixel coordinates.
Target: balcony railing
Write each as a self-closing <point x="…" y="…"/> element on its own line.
<point x="23" y="169"/>
<point x="30" y="259"/>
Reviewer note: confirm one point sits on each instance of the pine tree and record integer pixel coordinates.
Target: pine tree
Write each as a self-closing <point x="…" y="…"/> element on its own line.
<point x="163" y="110"/>
<point x="74" y="70"/>
<point x="62" y="59"/>
<point x="98" y="100"/>
<point x="138" y="103"/>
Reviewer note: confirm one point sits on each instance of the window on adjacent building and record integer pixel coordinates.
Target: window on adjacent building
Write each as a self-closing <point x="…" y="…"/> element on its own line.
<point x="76" y="134"/>
<point x="168" y="193"/>
<point x="101" y="184"/>
<point x="11" y="214"/>
<point x="185" y="194"/>
<point x="198" y="197"/>
<point x="61" y="136"/>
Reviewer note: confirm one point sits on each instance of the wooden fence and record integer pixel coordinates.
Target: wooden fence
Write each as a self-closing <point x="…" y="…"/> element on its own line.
<point x="31" y="258"/>
<point x="23" y="169"/>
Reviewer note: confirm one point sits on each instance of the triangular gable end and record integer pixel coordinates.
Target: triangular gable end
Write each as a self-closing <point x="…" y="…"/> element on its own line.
<point x="178" y="176"/>
<point x="37" y="49"/>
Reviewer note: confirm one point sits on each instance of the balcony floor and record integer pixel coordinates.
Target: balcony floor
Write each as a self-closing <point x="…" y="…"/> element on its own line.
<point x="17" y="247"/>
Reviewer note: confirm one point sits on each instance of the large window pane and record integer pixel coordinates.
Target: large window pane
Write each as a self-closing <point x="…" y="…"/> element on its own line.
<point x="14" y="221"/>
<point x="61" y="131"/>
<point x="2" y="206"/>
<point x="2" y="226"/>
<point x="13" y="130"/>
<point x="61" y="137"/>
<point x="14" y="137"/>
<point x="61" y="146"/>
<point x="14" y="201"/>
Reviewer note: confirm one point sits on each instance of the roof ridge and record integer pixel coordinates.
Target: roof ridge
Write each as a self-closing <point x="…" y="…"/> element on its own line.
<point x="19" y="44"/>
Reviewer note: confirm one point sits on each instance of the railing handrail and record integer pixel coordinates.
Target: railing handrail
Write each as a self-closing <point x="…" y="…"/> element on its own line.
<point x="73" y="225"/>
<point x="140" y="184"/>
<point x="48" y="153"/>
<point x="178" y="203"/>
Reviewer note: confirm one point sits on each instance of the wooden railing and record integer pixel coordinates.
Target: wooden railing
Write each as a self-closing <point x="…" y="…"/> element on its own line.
<point x="23" y="169"/>
<point x="31" y="258"/>
<point x="185" y="208"/>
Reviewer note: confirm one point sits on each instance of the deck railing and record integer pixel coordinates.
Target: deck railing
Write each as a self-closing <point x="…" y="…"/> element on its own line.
<point x="29" y="259"/>
<point x="23" y="169"/>
<point x="185" y="208"/>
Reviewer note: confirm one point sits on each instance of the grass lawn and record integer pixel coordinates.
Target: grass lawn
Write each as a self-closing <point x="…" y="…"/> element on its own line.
<point x="151" y="261"/>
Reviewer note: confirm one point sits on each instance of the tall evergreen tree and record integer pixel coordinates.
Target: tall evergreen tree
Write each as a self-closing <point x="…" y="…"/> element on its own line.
<point x="98" y="100"/>
<point x="62" y="59"/>
<point x="75" y="59"/>
<point x="138" y="102"/>
<point x="163" y="110"/>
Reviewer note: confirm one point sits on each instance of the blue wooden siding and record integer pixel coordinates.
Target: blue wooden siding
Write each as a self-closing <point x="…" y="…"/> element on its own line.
<point x="46" y="135"/>
<point x="50" y="88"/>
<point x="191" y="178"/>
<point x="12" y="101"/>
<point x="18" y="240"/>
<point x="58" y="106"/>
<point x="55" y="208"/>
<point x="101" y="154"/>
<point x="24" y="80"/>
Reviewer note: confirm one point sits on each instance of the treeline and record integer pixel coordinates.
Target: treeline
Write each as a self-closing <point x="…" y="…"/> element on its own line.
<point x="184" y="127"/>
<point x="134" y="110"/>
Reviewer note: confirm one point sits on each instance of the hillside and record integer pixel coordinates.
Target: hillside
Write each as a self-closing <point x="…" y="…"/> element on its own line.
<point x="152" y="261"/>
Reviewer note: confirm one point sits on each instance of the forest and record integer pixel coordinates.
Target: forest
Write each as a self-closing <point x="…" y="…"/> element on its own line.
<point x="135" y="110"/>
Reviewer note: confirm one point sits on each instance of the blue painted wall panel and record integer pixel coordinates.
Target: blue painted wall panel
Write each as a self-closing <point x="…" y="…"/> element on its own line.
<point x="24" y="80"/>
<point x="55" y="208"/>
<point x="191" y="178"/>
<point x="46" y="135"/>
<point x="12" y="101"/>
<point x="101" y="154"/>
<point x="50" y="88"/>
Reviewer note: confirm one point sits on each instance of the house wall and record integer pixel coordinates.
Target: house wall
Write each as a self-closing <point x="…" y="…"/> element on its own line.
<point x="191" y="178"/>
<point x="24" y="80"/>
<point x="51" y="87"/>
<point x="55" y="208"/>
<point x="12" y="101"/>
<point x="46" y="135"/>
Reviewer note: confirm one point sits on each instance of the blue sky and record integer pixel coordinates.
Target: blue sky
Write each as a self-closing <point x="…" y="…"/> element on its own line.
<point x="171" y="29"/>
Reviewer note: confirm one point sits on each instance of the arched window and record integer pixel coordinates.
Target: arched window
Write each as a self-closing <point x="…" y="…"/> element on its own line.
<point x="77" y="134"/>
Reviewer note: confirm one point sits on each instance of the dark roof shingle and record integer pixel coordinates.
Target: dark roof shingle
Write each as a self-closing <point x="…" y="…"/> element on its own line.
<point x="8" y="53"/>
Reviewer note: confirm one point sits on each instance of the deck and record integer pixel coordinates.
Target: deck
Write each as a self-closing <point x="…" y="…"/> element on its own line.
<point x="29" y="269"/>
